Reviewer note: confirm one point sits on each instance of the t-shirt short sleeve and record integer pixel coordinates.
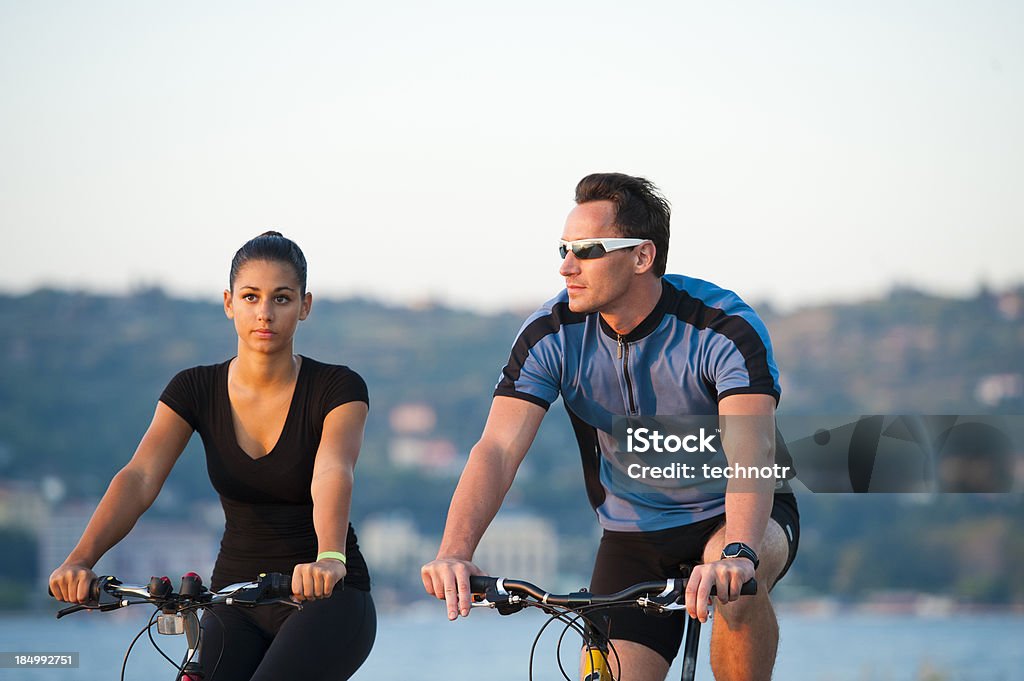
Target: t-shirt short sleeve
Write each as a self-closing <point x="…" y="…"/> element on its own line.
<point x="341" y="385"/>
<point x="183" y="395"/>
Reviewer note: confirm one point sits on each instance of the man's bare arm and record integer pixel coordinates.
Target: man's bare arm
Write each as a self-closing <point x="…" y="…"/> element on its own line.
<point x="748" y="438"/>
<point x="511" y="426"/>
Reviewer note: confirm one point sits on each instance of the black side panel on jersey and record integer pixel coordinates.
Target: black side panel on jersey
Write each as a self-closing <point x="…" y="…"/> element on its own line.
<point x="590" y="456"/>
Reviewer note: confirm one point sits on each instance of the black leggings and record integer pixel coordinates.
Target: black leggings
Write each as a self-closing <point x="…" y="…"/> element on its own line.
<point x="325" y="641"/>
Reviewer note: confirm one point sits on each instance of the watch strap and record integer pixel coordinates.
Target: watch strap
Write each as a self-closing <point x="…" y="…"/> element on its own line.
<point x="738" y="549"/>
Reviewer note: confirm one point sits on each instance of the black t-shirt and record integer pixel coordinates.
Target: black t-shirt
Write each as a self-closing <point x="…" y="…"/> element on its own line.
<point x="268" y="506"/>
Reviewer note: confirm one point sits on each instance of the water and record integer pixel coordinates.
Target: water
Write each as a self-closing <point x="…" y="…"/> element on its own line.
<point x="424" y="646"/>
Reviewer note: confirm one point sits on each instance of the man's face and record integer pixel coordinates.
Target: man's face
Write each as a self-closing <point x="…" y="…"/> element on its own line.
<point x="595" y="285"/>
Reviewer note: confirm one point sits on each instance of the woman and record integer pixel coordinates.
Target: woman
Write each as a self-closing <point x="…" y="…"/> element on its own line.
<point x="282" y="433"/>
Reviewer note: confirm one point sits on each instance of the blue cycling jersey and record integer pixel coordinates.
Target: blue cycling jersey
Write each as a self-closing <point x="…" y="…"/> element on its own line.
<point x="700" y="343"/>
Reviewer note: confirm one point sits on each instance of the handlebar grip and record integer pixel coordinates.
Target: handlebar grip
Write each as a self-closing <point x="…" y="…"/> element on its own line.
<point x="749" y="588"/>
<point x="94" y="589"/>
<point x="276" y="585"/>
<point x="479" y="584"/>
<point x="95" y="586"/>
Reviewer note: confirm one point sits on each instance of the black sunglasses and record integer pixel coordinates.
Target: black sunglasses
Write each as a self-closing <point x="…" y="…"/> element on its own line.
<point x="589" y="249"/>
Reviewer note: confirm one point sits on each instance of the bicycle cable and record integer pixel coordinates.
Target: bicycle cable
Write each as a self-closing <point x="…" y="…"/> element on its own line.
<point x="589" y="622"/>
<point x="161" y="650"/>
<point x="558" y="648"/>
<point x="554" y="615"/>
<point x="557" y="614"/>
<point x="206" y="607"/>
<point x="220" y="653"/>
<point x="583" y="613"/>
<point x="199" y="636"/>
<point x="127" y="653"/>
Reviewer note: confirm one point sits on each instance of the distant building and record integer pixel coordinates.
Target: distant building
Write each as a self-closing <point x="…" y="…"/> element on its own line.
<point x="153" y="548"/>
<point x="994" y="389"/>
<point x="436" y="455"/>
<point x="521" y="546"/>
<point x="414" y="445"/>
<point x="515" y="545"/>
<point x="1011" y="305"/>
<point x="22" y="506"/>
<point x="393" y="546"/>
<point x="413" y="417"/>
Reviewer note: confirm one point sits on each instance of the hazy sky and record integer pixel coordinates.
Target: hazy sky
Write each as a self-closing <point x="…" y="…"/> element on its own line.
<point x="812" y="151"/>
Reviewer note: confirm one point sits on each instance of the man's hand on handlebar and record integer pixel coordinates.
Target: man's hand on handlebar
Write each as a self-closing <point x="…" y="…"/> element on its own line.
<point x="726" y="576"/>
<point x="70" y="583"/>
<point x="447" y="579"/>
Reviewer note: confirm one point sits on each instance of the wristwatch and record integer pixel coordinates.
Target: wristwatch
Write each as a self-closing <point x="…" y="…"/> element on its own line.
<point x="738" y="549"/>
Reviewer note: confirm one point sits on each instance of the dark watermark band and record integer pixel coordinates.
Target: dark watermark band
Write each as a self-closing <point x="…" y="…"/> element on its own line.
<point x="821" y="454"/>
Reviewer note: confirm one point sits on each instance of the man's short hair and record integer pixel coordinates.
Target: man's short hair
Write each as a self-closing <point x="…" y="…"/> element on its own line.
<point x="641" y="212"/>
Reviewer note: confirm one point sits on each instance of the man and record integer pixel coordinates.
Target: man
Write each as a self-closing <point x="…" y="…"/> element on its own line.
<point x="623" y="339"/>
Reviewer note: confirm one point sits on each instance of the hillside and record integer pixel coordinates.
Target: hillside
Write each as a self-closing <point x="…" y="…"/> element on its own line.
<point x="80" y="375"/>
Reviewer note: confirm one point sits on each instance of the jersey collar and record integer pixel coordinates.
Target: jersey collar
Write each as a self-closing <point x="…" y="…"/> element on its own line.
<point x="650" y="322"/>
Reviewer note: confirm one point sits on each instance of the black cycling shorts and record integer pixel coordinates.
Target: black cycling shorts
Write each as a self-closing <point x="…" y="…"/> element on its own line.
<point x="328" y="639"/>
<point x="627" y="558"/>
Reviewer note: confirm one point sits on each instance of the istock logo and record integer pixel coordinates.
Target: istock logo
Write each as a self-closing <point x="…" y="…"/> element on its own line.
<point x="643" y="440"/>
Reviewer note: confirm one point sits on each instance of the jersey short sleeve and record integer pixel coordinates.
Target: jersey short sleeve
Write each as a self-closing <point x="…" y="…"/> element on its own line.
<point x="736" y="371"/>
<point x="736" y="355"/>
<point x="534" y="369"/>
<point x="185" y="393"/>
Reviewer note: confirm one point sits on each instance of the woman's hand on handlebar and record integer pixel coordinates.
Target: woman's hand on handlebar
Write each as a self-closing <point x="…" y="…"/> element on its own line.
<point x="71" y="583"/>
<point x="447" y="579"/>
<point x="311" y="581"/>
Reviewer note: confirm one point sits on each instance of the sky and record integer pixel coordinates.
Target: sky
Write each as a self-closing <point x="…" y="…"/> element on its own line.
<point x="812" y="152"/>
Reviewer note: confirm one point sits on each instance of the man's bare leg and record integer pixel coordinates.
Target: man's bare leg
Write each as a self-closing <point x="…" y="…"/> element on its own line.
<point x="745" y="633"/>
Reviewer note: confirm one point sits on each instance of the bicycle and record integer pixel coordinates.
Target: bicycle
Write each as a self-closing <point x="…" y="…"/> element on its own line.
<point x="662" y="597"/>
<point x="175" y="613"/>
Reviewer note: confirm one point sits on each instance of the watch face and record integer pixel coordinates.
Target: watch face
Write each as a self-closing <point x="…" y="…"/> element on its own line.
<point x="740" y="550"/>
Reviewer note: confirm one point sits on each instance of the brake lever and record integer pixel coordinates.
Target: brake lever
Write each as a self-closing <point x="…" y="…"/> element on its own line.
<point x="502" y="602"/>
<point x="252" y="602"/>
<point x="674" y="598"/>
<point x="75" y="608"/>
<point x="101" y="607"/>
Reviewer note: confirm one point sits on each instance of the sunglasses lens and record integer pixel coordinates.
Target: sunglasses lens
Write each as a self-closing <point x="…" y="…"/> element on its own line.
<point x="583" y="251"/>
<point x="588" y="251"/>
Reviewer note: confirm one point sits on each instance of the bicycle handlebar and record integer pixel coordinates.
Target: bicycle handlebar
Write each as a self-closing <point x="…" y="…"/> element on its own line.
<point x="668" y="594"/>
<point x="109" y="593"/>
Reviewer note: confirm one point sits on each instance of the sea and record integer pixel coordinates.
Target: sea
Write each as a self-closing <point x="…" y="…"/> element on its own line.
<point x="423" y="646"/>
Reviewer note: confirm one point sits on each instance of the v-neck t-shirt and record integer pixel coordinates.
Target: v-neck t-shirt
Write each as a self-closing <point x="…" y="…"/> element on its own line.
<point x="268" y="505"/>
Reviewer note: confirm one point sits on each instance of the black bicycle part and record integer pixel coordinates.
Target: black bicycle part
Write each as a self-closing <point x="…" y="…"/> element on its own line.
<point x="159" y="587"/>
<point x="105" y="595"/>
<point x="498" y="593"/>
<point x="488" y="588"/>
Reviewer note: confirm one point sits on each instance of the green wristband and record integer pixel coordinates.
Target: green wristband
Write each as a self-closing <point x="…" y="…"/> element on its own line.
<point x="337" y="555"/>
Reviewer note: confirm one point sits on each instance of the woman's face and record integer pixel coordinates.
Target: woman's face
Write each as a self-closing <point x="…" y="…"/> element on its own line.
<point x="266" y="305"/>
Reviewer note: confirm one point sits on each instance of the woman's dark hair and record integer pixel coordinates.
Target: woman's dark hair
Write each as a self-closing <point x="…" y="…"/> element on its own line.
<point x="270" y="247"/>
<point x="641" y="212"/>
